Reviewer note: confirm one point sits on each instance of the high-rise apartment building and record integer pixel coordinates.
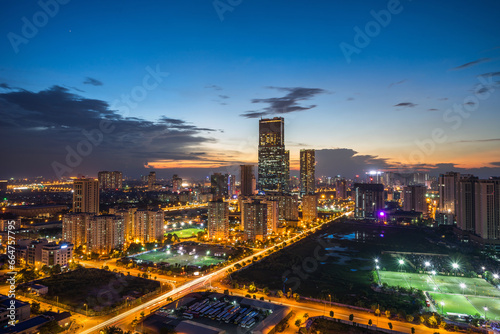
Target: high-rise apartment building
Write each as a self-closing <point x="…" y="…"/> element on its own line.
<point x="341" y="189"/>
<point x="478" y="209"/>
<point x="98" y="234"/>
<point x="86" y="196"/>
<point x="176" y="183"/>
<point x="288" y="206"/>
<point x="218" y="220"/>
<point x="219" y="186"/>
<point x="247" y="181"/>
<point x="307" y="172"/>
<point x="309" y="207"/>
<point x="151" y="181"/>
<point x="148" y="225"/>
<point x="369" y="198"/>
<point x="272" y="158"/>
<point x="110" y="180"/>
<point x="448" y="192"/>
<point x="255" y="219"/>
<point x="414" y="199"/>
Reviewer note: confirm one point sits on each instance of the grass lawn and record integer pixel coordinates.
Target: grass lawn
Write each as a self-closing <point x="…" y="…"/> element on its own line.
<point x="185" y="259"/>
<point x="454" y="303"/>
<point x="443" y="284"/>
<point x="187" y="233"/>
<point x="493" y="305"/>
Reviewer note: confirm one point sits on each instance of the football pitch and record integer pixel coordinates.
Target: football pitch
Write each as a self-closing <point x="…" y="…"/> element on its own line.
<point x="187" y="233"/>
<point x="460" y="294"/>
<point x="184" y="259"/>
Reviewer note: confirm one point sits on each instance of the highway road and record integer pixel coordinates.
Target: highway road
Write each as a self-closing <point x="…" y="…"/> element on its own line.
<point x="185" y="288"/>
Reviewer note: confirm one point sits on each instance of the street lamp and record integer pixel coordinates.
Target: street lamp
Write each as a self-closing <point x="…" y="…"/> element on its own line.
<point x="462" y="285"/>
<point x="495" y="276"/>
<point x="427" y="263"/>
<point x="401" y="263"/>
<point x="485" y="310"/>
<point x="442" y="307"/>
<point x="455" y="267"/>
<point x="86" y="310"/>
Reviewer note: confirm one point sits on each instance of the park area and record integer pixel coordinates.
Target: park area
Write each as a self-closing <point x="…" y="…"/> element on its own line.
<point x="173" y="258"/>
<point x="460" y="295"/>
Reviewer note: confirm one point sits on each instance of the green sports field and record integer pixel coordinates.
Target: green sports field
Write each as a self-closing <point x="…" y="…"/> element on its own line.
<point x="185" y="259"/>
<point x="454" y="304"/>
<point x="187" y="233"/>
<point x="493" y="305"/>
<point x="448" y="289"/>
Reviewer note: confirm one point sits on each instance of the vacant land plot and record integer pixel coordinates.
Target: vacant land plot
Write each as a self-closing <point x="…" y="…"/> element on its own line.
<point x="95" y="287"/>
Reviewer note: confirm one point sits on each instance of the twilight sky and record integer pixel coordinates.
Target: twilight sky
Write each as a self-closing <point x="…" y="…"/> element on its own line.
<point x="181" y="85"/>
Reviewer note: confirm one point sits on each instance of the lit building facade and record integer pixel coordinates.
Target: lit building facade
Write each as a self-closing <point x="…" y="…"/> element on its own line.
<point x="272" y="158"/>
<point x="369" y="199"/>
<point x="110" y="180"/>
<point x="247" y="181"/>
<point x="307" y="172"/>
<point x="218" y="220"/>
<point x="86" y="196"/>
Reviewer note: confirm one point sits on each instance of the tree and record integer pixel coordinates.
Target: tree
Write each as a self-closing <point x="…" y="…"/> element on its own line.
<point x="279" y="293"/>
<point x="35" y="307"/>
<point x="252" y="288"/>
<point x="409" y="318"/>
<point x="370" y="322"/>
<point x="331" y="314"/>
<point x="112" y="330"/>
<point x="351" y="317"/>
<point x="298" y="322"/>
<point x="265" y="291"/>
<point x="432" y="321"/>
<point x="296" y="296"/>
<point x="142" y="314"/>
<point x="305" y="316"/>
<point x="388" y="314"/>
<point x="390" y="325"/>
<point x="377" y="312"/>
<point x="413" y="330"/>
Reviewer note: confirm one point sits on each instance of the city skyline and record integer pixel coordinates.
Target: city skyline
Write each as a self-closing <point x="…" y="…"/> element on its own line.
<point x="195" y="95"/>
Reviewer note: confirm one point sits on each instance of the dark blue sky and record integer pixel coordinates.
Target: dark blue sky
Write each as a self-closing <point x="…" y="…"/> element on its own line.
<point x="414" y="75"/>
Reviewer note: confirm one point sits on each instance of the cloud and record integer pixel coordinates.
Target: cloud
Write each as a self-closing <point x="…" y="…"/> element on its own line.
<point x="443" y="99"/>
<point x="214" y="87"/>
<point x="4" y="86"/>
<point x="350" y="99"/>
<point x="224" y="96"/>
<point x="470" y="103"/>
<point x="92" y="81"/>
<point x="396" y="83"/>
<point x="470" y="64"/>
<point x="489" y="74"/>
<point x="42" y="125"/>
<point x="285" y="104"/>
<point x="347" y="162"/>
<point x="479" y="140"/>
<point x="433" y="109"/>
<point x="406" y="104"/>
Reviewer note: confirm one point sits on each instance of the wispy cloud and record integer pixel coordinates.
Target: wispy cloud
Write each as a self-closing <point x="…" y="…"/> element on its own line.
<point x="214" y="87"/>
<point x="406" y="105"/>
<point x="396" y="83"/>
<point x="285" y="104"/>
<point x="470" y="64"/>
<point x="92" y="81"/>
<point x="479" y="140"/>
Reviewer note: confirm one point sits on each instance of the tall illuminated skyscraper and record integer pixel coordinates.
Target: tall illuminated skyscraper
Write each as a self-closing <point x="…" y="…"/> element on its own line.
<point x="307" y="172"/>
<point x="272" y="158"/>
<point x="110" y="180"/>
